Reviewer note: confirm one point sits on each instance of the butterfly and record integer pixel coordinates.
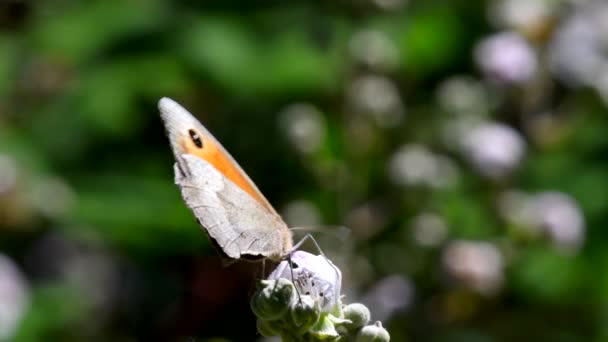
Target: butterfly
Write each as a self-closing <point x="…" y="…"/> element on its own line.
<point x="238" y="219"/>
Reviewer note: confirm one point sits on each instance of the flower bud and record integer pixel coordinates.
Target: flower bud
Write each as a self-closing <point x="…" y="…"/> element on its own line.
<point x="272" y="301"/>
<point x="268" y="328"/>
<point x="324" y="329"/>
<point x="373" y="333"/>
<point x="304" y="314"/>
<point x="358" y="314"/>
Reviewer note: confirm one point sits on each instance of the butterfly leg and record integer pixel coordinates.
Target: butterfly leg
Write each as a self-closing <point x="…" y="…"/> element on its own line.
<point x="292" y="277"/>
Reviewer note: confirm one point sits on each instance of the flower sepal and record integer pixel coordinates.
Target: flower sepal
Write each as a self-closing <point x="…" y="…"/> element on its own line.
<point x="273" y="299"/>
<point x="305" y="313"/>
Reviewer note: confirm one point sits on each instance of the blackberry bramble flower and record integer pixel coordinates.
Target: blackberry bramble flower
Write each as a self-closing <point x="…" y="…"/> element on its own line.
<point x="302" y="302"/>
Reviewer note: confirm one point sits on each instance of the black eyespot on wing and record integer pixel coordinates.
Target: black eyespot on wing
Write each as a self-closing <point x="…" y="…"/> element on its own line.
<point x="196" y="139"/>
<point x="294" y="265"/>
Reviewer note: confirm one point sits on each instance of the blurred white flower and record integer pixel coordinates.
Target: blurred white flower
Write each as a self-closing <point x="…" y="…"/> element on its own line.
<point x="478" y="265"/>
<point x="506" y="57"/>
<point x="553" y="213"/>
<point x="388" y="296"/>
<point x="429" y="229"/>
<point x="52" y="196"/>
<point x="415" y="165"/>
<point x="598" y="14"/>
<point x="576" y="54"/>
<point x="494" y="149"/>
<point x="301" y="213"/>
<point x="600" y="81"/>
<point x="8" y="173"/>
<point x="578" y="51"/>
<point x="14" y="297"/>
<point x="374" y="49"/>
<point x="561" y="218"/>
<point x="522" y="15"/>
<point x="463" y="95"/>
<point x="304" y="126"/>
<point x="412" y="164"/>
<point x="378" y="97"/>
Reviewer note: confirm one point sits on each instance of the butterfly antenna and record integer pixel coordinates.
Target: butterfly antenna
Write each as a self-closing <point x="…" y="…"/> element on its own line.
<point x="342" y="232"/>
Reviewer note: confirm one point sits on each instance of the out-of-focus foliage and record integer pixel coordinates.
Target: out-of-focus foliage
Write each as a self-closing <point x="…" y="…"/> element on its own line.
<point x="463" y="143"/>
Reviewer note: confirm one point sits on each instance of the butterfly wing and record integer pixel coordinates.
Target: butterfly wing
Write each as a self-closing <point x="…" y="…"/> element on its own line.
<point x="222" y="197"/>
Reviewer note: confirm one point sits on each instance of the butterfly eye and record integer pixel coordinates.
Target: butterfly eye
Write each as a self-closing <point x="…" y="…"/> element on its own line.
<point x="196" y="139"/>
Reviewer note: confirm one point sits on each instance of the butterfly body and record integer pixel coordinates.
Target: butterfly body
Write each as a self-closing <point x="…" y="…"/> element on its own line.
<point x="228" y="205"/>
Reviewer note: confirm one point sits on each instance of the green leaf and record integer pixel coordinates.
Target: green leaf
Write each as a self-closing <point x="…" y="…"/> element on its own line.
<point x="79" y="33"/>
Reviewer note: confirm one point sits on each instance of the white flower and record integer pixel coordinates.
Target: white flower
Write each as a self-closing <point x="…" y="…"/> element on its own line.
<point x="560" y="216"/>
<point x="523" y="15"/>
<point x="494" y="149"/>
<point x="300" y="301"/>
<point x="476" y="264"/>
<point x="577" y="50"/>
<point x="506" y="57"/>
<point x="552" y="213"/>
<point x="314" y="276"/>
<point x="14" y="297"/>
<point x="416" y="165"/>
<point x="304" y="126"/>
<point x="429" y="229"/>
<point x="374" y="48"/>
<point x="52" y="196"/>
<point x="378" y="97"/>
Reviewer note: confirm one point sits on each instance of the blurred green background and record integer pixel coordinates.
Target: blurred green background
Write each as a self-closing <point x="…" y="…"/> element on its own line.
<point x="463" y="143"/>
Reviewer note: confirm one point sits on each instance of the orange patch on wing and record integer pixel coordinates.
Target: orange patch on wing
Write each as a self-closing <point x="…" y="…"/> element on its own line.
<point x="212" y="154"/>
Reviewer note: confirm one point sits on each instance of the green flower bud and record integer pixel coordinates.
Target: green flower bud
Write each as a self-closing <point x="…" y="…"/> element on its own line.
<point x="324" y="329"/>
<point x="273" y="299"/>
<point x="304" y="314"/>
<point x="268" y="328"/>
<point x="289" y="338"/>
<point x="358" y="314"/>
<point x="373" y="333"/>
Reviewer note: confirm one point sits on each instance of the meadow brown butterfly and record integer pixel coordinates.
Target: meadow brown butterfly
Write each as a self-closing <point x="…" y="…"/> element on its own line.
<point x="236" y="216"/>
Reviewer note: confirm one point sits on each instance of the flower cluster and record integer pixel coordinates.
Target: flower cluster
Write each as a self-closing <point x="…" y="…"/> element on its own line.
<point x="300" y="301"/>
